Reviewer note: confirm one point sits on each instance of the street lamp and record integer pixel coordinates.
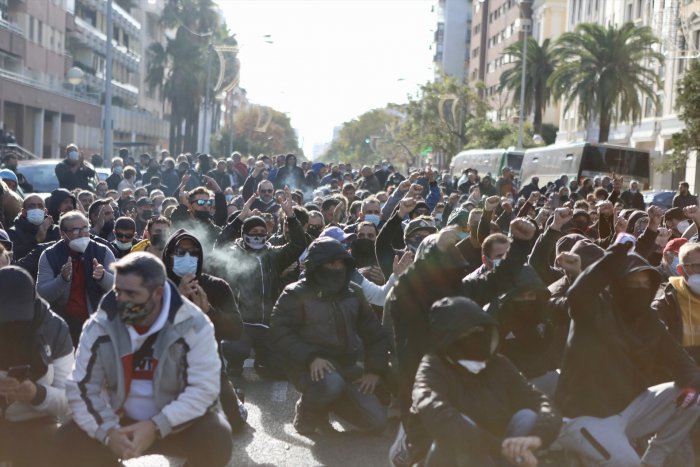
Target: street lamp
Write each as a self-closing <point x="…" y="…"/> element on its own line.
<point x="525" y="24"/>
<point x="75" y="77"/>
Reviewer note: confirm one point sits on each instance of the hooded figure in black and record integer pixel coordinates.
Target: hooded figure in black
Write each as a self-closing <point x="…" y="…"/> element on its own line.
<point x="622" y="367"/>
<point x="321" y="326"/>
<point x="523" y="315"/>
<point x="472" y="402"/>
<point x="183" y="261"/>
<point x="290" y="175"/>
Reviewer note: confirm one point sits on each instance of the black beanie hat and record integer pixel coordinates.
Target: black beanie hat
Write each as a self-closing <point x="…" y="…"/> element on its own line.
<point x="17" y="295"/>
<point x="252" y="222"/>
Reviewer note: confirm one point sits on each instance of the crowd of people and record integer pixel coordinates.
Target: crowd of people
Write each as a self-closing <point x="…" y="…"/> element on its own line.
<point x="501" y="322"/>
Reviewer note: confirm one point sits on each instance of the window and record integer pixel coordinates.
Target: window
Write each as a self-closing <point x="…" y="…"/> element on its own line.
<point x="639" y="9"/>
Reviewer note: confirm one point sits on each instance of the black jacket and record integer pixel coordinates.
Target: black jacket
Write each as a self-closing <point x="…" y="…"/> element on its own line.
<point x="82" y="178"/>
<point x="113" y="181"/>
<point x="340" y="327"/>
<point x="249" y="188"/>
<point x="290" y="176"/>
<point x="254" y="275"/>
<point x="526" y="334"/>
<point x="23" y="236"/>
<point x="608" y="361"/>
<point x="432" y="276"/>
<point x="444" y="392"/>
<point x="668" y="311"/>
<point x="223" y="311"/>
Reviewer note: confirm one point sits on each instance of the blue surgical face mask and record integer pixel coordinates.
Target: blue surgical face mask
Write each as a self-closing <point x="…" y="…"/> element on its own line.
<point x="673" y="268"/>
<point x="73" y="155"/>
<point x="373" y="218"/>
<point x="186" y="264"/>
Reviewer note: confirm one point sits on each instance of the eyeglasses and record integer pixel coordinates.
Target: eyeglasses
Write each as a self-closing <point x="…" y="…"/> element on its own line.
<point x="77" y="231"/>
<point x="178" y="251"/>
<point x="266" y="191"/>
<point x="204" y="202"/>
<point x="128" y="236"/>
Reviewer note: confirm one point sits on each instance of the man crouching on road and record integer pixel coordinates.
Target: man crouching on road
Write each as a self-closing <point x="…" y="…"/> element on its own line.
<point x="155" y="356"/>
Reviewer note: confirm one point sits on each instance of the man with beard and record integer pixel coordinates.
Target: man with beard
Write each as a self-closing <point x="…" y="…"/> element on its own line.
<point x="265" y="200"/>
<point x="36" y="356"/>
<point x="72" y="172"/>
<point x="155" y="236"/>
<point x="33" y="226"/>
<point x="146" y="378"/>
<point x="684" y="198"/>
<point x="321" y="358"/>
<point x="101" y="215"/>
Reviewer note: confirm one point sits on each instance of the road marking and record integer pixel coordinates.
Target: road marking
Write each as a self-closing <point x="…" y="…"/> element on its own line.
<point x="279" y="391"/>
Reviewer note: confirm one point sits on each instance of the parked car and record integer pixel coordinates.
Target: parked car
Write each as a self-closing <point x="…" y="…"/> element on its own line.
<point x="41" y="174"/>
<point x="662" y="198"/>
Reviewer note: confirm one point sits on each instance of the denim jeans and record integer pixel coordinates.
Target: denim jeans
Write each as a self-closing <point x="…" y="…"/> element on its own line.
<point x="334" y="394"/>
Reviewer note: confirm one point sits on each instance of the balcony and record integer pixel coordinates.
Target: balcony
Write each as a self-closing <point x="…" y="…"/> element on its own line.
<point x="12" y="38"/>
<point x="90" y="36"/>
<point x="139" y="122"/>
<point x="120" y="17"/>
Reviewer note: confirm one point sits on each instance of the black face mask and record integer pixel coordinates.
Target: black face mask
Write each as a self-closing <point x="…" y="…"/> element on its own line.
<point x="315" y="230"/>
<point x="474" y="346"/>
<point x="202" y="215"/>
<point x="146" y="214"/>
<point x="158" y="240"/>
<point x="363" y="252"/>
<point x="108" y="227"/>
<point x="631" y="302"/>
<point x="331" y="281"/>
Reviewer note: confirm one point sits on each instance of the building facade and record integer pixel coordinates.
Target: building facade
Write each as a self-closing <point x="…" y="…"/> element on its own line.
<point x="453" y="38"/>
<point x="677" y="24"/>
<point x="40" y="41"/>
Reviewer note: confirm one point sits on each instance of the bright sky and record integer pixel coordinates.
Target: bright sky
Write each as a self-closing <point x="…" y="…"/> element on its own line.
<point x="331" y="60"/>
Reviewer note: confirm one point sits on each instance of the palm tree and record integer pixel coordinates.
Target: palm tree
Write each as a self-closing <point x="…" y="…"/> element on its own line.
<point x="541" y="62"/>
<point x="606" y="71"/>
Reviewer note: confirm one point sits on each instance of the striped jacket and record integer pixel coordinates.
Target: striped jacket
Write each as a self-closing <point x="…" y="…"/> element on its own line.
<point x="186" y="381"/>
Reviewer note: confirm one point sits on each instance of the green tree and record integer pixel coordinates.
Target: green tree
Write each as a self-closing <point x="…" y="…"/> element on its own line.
<point x="541" y="62"/>
<point x="437" y="115"/>
<point x="605" y="70"/>
<point x="372" y="136"/>
<point x="277" y="138"/>
<point x="179" y="68"/>
<point x="688" y="102"/>
<point x="483" y="133"/>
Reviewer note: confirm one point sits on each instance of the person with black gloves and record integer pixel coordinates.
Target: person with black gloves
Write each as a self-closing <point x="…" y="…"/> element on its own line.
<point x="623" y="375"/>
<point x="318" y="326"/>
<point x="476" y="407"/>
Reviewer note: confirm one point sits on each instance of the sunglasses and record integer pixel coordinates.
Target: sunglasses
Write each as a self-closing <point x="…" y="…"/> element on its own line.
<point x="266" y="191"/>
<point x="204" y="202"/>
<point x="128" y="236"/>
<point x="178" y="251"/>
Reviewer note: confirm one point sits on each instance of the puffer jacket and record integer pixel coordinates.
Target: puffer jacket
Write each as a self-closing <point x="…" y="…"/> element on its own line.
<point x="444" y="391"/>
<point x="628" y="357"/>
<point x="23" y="236"/>
<point x="55" y="349"/>
<point x="526" y="335"/>
<point x="186" y="380"/>
<point x="306" y="324"/>
<point x="254" y="275"/>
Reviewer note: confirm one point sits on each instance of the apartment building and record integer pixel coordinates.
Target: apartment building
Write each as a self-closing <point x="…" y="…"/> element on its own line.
<point x="40" y="41"/>
<point x="453" y="38"/>
<point x="496" y="24"/>
<point x="677" y="24"/>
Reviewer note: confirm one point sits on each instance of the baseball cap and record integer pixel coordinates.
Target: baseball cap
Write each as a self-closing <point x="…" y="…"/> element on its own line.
<point x="675" y="245"/>
<point x="336" y="233"/>
<point x="420" y="222"/>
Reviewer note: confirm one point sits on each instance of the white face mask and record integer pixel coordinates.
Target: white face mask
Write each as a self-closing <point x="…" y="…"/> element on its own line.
<point x="496" y="262"/>
<point x="186" y="264"/>
<point x="472" y="366"/>
<point x="682" y="226"/>
<point x="35" y="216"/>
<point x="694" y="283"/>
<point x="123" y="246"/>
<point x="79" y="244"/>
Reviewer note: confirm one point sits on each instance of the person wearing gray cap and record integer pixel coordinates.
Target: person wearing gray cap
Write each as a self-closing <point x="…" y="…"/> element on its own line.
<point x="36" y="356"/>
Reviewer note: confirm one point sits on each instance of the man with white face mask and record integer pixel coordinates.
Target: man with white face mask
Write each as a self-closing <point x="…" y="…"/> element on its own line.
<point x="74" y="272"/>
<point x="474" y="406"/>
<point x="73" y="172"/>
<point x="32" y="226"/>
<point x="678" y="301"/>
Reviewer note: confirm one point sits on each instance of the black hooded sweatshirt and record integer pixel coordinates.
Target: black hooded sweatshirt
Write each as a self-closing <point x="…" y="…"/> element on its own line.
<point x="610" y="359"/>
<point x="57" y="197"/>
<point x="444" y="391"/>
<point x="308" y="323"/>
<point x="223" y="310"/>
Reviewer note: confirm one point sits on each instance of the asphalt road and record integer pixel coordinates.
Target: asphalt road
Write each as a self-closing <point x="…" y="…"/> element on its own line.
<point x="270" y="438"/>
